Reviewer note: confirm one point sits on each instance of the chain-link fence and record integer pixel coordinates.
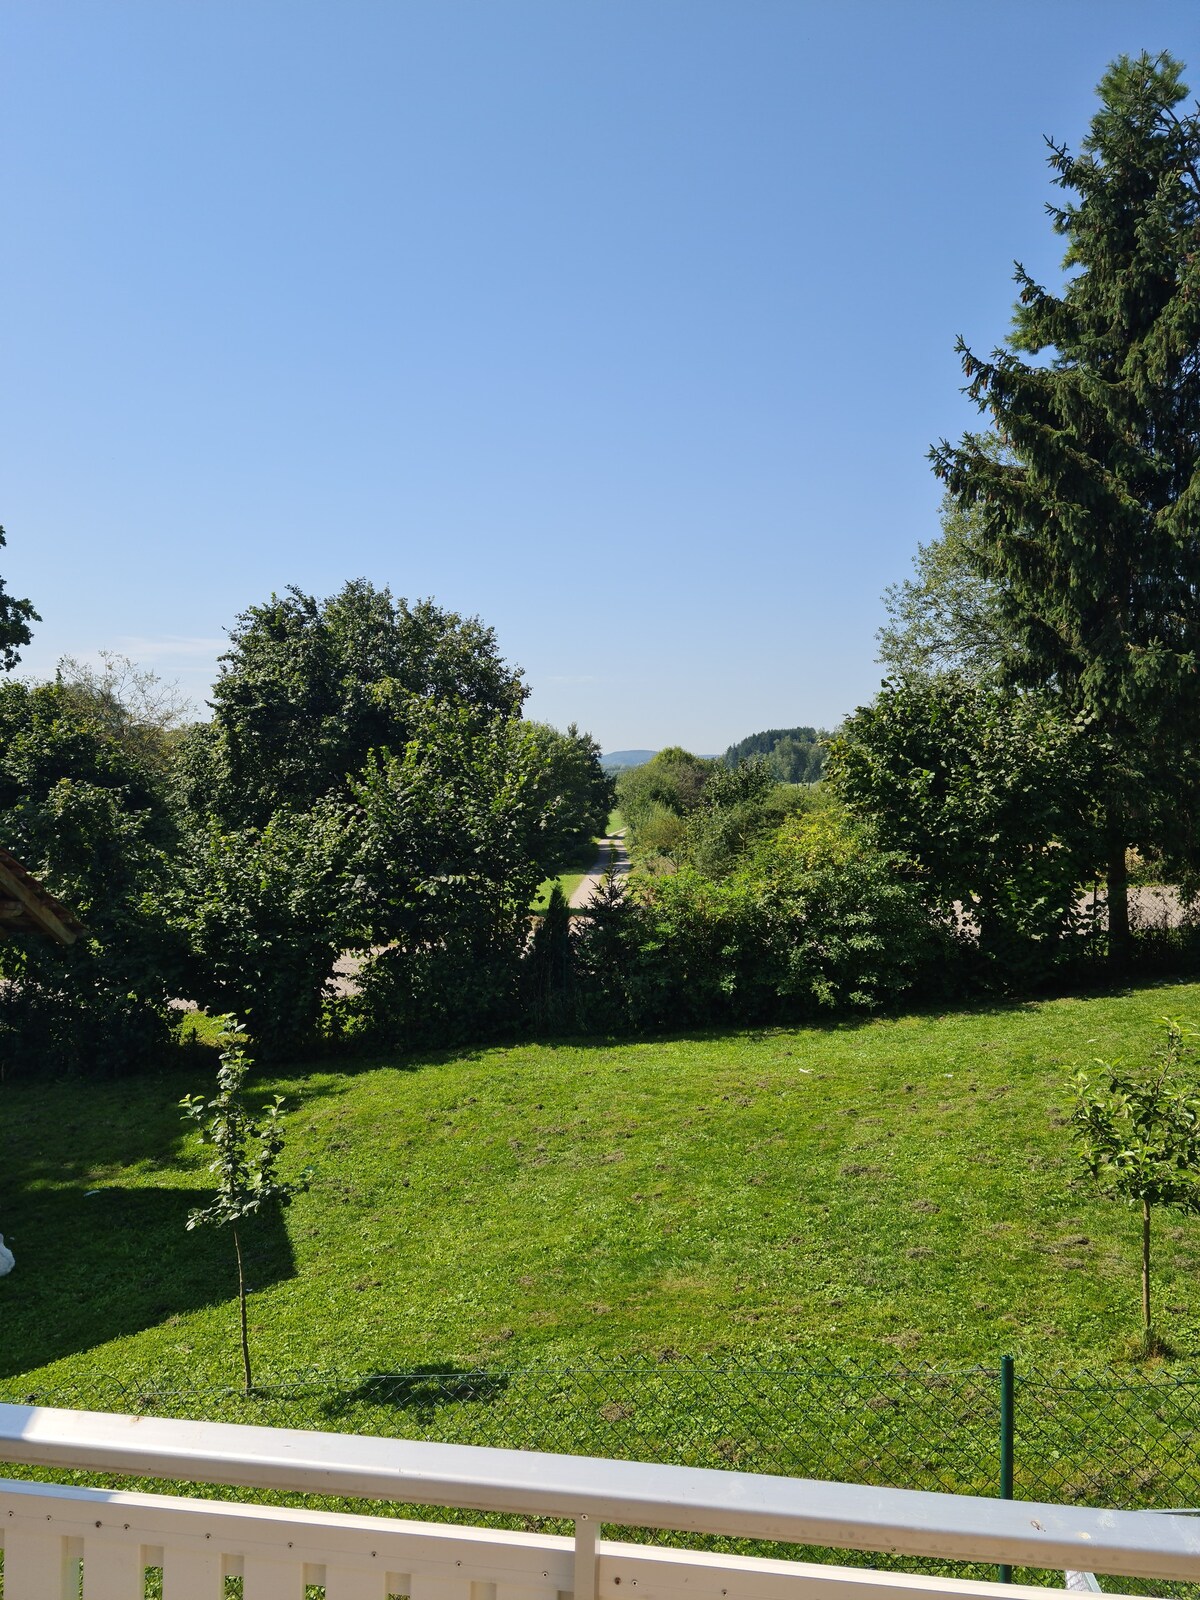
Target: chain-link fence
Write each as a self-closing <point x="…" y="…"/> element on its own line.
<point x="1097" y="1438"/>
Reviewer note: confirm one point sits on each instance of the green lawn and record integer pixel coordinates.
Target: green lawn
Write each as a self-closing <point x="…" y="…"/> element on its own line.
<point x="896" y="1188"/>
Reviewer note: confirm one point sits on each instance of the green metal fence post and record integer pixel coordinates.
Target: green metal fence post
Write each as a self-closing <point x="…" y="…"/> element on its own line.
<point x="1004" y="1572"/>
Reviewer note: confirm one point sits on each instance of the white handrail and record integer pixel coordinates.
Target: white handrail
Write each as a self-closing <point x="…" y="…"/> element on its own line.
<point x="617" y="1493"/>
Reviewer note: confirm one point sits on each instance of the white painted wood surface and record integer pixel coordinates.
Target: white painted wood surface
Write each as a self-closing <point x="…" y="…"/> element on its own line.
<point x="49" y="1532"/>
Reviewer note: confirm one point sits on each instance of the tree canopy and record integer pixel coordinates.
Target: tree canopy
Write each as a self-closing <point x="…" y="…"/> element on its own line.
<point x="15" y="617"/>
<point x="793" y="755"/>
<point x="989" y="792"/>
<point x="947" y="617"/>
<point x="1088" y="519"/>
<point x="308" y="688"/>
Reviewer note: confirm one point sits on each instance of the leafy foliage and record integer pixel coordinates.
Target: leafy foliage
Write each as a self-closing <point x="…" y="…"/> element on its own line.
<point x="740" y="807"/>
<point x="989" y="792"/>
<point x="90" y="820"/>
<point x="1139" y="1133"/>
<point x="948" y="617"/>
<point x="579" y="793"/>
<point x="453" y="835"/>
<point x="246" y="1154"/>
<point x="309" y="688"/>
<point x="672" y="781"/>
<point x="818" y="918"/>
<point x="139" y="711"/>
<point x="265" y="916"/>
<point x="15" y="617"/>
<point x="792" y="755"/>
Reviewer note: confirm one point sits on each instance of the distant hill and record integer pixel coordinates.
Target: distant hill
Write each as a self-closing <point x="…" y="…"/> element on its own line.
<point x="616" y="759"/>
<point x="795" y="755"/>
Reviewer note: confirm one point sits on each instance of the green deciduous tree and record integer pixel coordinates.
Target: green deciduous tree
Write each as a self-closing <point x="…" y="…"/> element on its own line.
<point x="309" y="688"/>
<point x="948" y="616"/>
<point x="246" y="1153"/>
<point x="989" y="791"/>
<point x="15" y="617"/>
<point x="1087" y="521"/>
<point x="91" y="820"/>
<point x="265" y="913"/>
<point x="138" y="710"/>
<point x="667" y="786"/>
<point x="1139" y="1134"/>
<point x="739" y="806"/>
<point x="454" y="832"/>
<point x="579" y="793"/>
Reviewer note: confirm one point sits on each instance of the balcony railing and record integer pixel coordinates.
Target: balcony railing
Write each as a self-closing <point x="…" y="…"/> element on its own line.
<point x="51" y="1533"/>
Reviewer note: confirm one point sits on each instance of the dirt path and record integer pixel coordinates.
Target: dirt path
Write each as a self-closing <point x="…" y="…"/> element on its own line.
<point x="613" y="857"/>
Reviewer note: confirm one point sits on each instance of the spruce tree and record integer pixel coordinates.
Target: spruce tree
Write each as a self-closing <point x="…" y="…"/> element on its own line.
<point x="1088" y="517"/>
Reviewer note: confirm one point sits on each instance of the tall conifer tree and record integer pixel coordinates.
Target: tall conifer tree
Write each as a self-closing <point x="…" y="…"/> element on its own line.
<point x="1089" y="515"/>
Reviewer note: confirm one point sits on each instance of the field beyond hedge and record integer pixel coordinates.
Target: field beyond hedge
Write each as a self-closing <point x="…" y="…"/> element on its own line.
<point x="897" y="1190"/>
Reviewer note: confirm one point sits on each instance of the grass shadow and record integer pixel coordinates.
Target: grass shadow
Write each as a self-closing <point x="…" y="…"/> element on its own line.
<point x="422" y="1392"/>
<point x="92" y="1267"/>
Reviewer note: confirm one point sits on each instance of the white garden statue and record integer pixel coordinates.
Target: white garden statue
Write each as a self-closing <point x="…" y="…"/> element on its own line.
<point x="7" y="1262"/>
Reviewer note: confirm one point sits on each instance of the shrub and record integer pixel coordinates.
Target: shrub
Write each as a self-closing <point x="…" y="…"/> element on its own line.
<point x="819" y="919"/>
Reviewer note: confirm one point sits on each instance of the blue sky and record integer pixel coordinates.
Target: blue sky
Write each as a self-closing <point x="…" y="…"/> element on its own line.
<point x="623" y="324"/>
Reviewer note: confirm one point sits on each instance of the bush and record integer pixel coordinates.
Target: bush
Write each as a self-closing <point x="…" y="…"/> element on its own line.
<point x="264" y="916"/>
<point x="820" y="919"/>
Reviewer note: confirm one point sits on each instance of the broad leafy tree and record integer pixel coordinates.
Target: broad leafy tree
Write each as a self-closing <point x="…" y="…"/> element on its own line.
<point x="453" y="835"/>
<point x="91" y="820"/>
<point x="15" y="617"/>
<point x="308" y="688"/>
<point x="989" y="791"/>
<point x="579" y="793"/>
<point x="1088" y="518"/>
<point x="266" y="913"/>
<point x="948" y="616"/>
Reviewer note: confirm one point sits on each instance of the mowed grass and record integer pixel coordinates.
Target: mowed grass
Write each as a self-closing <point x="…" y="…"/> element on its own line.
<point x="899" y="1189"/>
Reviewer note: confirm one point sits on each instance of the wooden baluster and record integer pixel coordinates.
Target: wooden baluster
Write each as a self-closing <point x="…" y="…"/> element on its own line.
<point x="355" y="1583"/>
<point x="113" y="1568"/>
<point x="37" y="1567"/>
<point x="190" y="1574"/>
<point x="267" y="1579"/>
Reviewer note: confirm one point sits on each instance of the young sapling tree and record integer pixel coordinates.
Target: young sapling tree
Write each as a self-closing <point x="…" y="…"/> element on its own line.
<point x="1139" y="1134"/>
<point x="246" y="1152"/>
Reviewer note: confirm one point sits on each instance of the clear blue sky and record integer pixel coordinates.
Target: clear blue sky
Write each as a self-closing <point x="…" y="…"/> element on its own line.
<point x="624" y="324"/>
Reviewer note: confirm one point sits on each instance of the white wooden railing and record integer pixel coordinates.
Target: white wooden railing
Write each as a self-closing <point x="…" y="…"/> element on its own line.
<point x="50" y="1533"/>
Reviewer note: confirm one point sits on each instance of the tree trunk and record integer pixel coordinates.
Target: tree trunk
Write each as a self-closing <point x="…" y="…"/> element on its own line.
<point x="1118" y="897"/>
<point x="1146" y="1268"/>
<point x="237" y="1245"/>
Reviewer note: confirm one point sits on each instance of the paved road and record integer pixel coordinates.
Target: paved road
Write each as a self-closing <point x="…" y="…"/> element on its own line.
<point x="613" y="857"/>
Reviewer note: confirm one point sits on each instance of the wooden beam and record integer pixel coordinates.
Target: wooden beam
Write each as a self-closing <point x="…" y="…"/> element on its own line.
<point x="40" y="914"/>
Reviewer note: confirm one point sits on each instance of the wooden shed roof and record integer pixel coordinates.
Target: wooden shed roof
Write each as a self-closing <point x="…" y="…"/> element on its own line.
<point x="27" y="907"/>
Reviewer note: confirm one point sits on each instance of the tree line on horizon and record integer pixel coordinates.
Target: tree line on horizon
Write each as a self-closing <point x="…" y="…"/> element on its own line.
<point x="368" y="781"/>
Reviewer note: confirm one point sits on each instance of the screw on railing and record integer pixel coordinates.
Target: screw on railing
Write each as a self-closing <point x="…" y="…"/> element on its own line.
<point x="1004" y="1571"/>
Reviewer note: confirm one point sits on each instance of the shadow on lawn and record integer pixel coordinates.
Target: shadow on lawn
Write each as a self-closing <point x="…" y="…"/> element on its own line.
<point x="91" y="1268"/>
<point x="420" y="1391"/>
